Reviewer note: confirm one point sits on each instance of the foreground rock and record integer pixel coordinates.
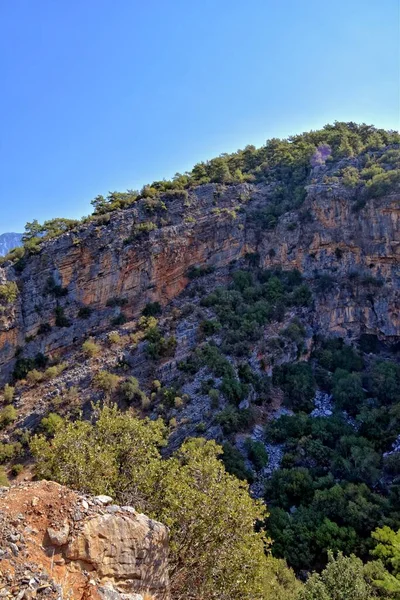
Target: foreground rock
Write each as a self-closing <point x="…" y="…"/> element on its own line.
<point x="56" y="543"/>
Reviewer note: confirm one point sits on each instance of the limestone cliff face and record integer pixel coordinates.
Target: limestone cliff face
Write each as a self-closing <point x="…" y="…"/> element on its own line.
<point x="213" y="226"/>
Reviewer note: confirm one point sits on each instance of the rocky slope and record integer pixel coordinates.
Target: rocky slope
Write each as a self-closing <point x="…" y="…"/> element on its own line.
<point x="116" y="267"/>
<point x="56" y="543"/>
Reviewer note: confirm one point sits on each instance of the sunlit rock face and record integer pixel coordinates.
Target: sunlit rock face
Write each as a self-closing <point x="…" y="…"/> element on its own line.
<point x="358" y="250"/>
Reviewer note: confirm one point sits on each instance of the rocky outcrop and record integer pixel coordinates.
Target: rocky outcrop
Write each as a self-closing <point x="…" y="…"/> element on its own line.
<point x="116" y="267"/>
<point x="86" y="546"/>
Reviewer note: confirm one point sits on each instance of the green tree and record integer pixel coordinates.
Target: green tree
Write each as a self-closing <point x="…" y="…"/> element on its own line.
<point x="342" y="579"/>
<point x="216" y="553"/>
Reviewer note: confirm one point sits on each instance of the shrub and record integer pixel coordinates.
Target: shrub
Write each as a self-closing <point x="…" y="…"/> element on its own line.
<point x="210" y="327"/>
<point x="8" y="393"/>
<point x="119" y="320"/>
<point x="105" y="381"/>
<point x="24" y="365"/>
<point x="61" y="319"/>
<point x="17" y="469"/>
<point x="234" y="462"/>
<point x="90" y="348"/>
<point x="298" y="383"/>
<point x="9" y="451"/>
<point x="3" y="478"/>
<point x="7" y="415"/>
<point x="131" y="391"/>
<point x="257" y="453"/>
<point x="34" y="376"/>
<point x="199" y="271"/>
<point x="84" y="312"/>
<point x="44" y="328"/>
<point x="9" y="292"/>
<point x="116" y="301"/>
<point x="114" y="338"/>
<point x="152" y="309"/>
<point x="50" y="424"/>
<point x="53" y="288"/>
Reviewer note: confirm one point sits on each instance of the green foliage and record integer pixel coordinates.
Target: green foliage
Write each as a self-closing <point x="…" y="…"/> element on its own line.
<point x="8" y="393"/>
<point x="131" y="392"/>
<point x="107" y="382"/>
<point x="257" y="453"/>
<point x="298" y="383"/>
<point x="55" y="289"/>
<point x="116" y="301"/>
<point x="24" y="365"/>
<point x="199" y="271"/>
<point x="347" y="390"/>
<point x="9" y="451"/>
<point x="342" y="579"/>
<point x="50" y="424"/>
<point x="8" y="414"/>
<point x="84" y="312"/>
<point x="152" y="309"/>
<point x="158" y="345"/>
<point x="234" y="462"/>
<point x="8" y="292"/>
<point x="3" y="478"/>
<point x="350" y="176"/>
<point x="233" y="420"/>
<point x="90" y="348"/>
<point x="214" y="548"/>
<point x="61" y="320"/>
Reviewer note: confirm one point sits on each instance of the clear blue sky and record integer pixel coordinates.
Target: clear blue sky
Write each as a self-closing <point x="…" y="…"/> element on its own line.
<point x="100" y="95"/>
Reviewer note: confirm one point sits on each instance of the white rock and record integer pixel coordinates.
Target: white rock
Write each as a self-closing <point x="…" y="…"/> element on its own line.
<point x="59" y="537"/>
<point x="104" y="499"/>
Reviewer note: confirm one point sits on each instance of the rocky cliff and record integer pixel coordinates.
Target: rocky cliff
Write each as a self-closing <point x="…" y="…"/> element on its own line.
<point x="56" y="543"/>
<point x="120" y="264"/>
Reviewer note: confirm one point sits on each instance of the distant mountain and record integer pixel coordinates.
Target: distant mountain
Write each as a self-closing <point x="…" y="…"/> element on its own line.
<point x="8" y="241"/>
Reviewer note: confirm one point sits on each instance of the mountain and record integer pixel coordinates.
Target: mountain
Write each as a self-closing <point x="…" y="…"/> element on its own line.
<point x="8" y="241"/>
<point x="254" y="301"/>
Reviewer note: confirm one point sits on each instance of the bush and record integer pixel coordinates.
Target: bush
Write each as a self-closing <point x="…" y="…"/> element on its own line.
<point x="90" y="348"/>
<point x="107" y="382"/>
<point x="9" y="292"/>
<point x="116" y="301"/>
<point x="61" y="319"/>
<point x="234" y="462"/>
<point x="131" y="392"/>
<point x="44" y="328"/>
<point x="114" y="338"/>
<point x="3" y="478"/>
<point x="257" y="453"/>
<point x="84" y="312"/>
<point x="17" y="469"/>
<point x="298" y="383"/>
<point x="119" y="320"/>
<point x="8" y="393"/>
<point x="24" y="365"/>
<point x="9" y="451"/>
<point x="7" y="415"/>
<point x="152" y="309"/>
<point x="50" y="424"/>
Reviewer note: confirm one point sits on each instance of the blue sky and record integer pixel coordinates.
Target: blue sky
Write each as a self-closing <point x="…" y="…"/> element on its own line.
<point x="102" y="95"/>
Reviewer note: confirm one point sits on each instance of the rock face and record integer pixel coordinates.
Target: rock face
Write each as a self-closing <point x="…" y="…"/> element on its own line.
<point x="76" y="543"/>
<point x="105" y="266"/>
